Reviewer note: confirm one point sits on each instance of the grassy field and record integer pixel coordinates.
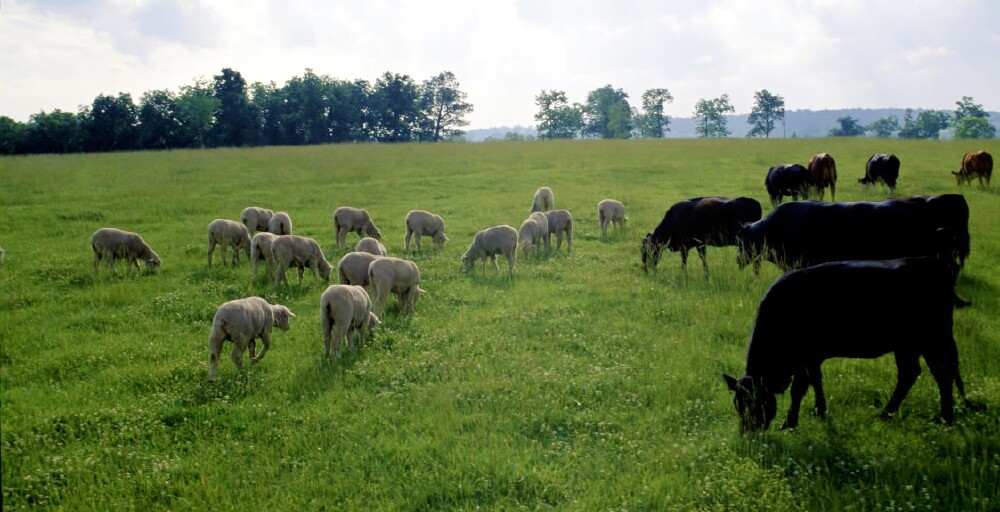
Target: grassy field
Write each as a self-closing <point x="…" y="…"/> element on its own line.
<point x="583" y="384"/>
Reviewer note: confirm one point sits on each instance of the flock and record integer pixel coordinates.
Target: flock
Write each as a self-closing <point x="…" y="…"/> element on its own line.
<point x="900" y="257"/>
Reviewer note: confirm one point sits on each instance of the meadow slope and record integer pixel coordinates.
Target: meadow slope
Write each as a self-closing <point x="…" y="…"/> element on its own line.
<point x="583" y="384"/>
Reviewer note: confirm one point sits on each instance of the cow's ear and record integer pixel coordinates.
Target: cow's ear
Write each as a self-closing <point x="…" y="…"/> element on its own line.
<point x="730" y="381"/>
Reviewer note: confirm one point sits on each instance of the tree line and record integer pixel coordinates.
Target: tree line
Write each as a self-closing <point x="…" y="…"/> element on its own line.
<point x="969" y="121"/>
<point x="226" y="111"/>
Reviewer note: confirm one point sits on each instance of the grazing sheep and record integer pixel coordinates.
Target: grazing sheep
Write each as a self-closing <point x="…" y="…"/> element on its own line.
<point x="242" y="321"/>
<point x="228" y="234"/>
<point x="610" y="211"/>
<point x="534" y="231"/>
<point x="420" y="223"/>
<point x="353" y="268"/>
<point x="561" y="223"/>
<point x="112" y="244"/>
<point x="345" y="311"/>
<point x="347" y="220"/>
<point x="544" y="200"/>
<point x="260" y="249"/>
<point x="401" y="277"/>
<point x="371" y="246"/>
<point x="255" y="219"/>
<point x="280" y="224"/>
<point x="300" y="252"/>
<point x="488" y="243"/>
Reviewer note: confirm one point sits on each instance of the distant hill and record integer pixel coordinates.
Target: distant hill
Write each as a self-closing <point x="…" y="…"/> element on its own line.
<point x="800" y="123"/>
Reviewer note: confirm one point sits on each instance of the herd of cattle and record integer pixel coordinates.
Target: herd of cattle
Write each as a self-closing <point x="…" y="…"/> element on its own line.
<point x="862" y="279"/>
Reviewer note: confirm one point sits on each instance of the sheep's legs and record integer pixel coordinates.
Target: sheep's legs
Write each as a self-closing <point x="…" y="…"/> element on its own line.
<point x="211" y="249"/>
<point x="214" y="349"/>
<point x="265" y="338"/>
<point x="406" y="243"/>
<point x="510" y="264"/>
<point x="237" y="355"/>
<point x="418" y="242"/>
<point x="97" y="261"/>
<point x="495" y="264"/>
<point x="327" y="327"/>
<point x="569" y="241"/>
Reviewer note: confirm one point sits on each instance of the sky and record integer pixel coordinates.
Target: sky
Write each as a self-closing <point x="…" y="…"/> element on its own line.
<point x="817" y="54"/>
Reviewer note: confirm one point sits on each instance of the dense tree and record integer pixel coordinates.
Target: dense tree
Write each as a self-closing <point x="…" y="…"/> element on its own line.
<point x="196" y="107"/>
<point x="234" y="117"/>
<point x="927" y="125"/>
<point x="268" y="102"/>
<point x="883" y="127"/>
<point x="111" y="123"/>
<point x="393" y="108"/>
<point x="967" y="107"/>
<point x="607" y="114"/>
<point x="556" y="117"/>
<point x="767" y="110"/>
<point x="848" y="127"/>
<point x="347" y="110"/>
<point x="11" y="136"/>
<point x="710" y="115"/>
<point x="53" y="132"/>
<point x="305" y="118"/>
<point x="443" y="107"/>
<point x="653" y="122"/>
<point x="159" y="127"/>
<point x="970" y="127"/>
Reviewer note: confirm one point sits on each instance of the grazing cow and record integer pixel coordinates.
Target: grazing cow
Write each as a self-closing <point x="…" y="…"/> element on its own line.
<point x="975" y="165"/>
<point x="697" y="223"/>
<point x="788" y="180"/>
<point x="881" y="167"/>
<point x="806" y="233"/>
<point x="811" y="315"/>
<point x="823" y="169"/>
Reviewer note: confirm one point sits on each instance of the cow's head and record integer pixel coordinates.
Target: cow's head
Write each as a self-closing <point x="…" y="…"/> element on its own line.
<point x="961" y="177"/>
<point x="755" y="405"/>
<point x="747" y="247"/>
<point x="651" y="251"/>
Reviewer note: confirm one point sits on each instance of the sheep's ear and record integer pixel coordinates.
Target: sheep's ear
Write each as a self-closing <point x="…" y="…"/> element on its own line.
<point x="290" y="314"/>
<point x="730" y="381"/>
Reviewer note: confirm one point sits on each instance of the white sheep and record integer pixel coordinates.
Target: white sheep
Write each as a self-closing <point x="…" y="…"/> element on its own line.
<point x="300" y="252"/>
<point x="353" y="268"/>
<point x="260" y="249"/>
<point x="371" y="246"/>
<point x="347" y="220"/>
<point x="280" y="224"/>
<point x="610" y="211"/>
<point x="111" y="244"/>
<point x="345" y="313"/>
<point x="561" y="224"/>
<point x="255" y="218"/>
<point x="544" y="200"/>
<point x="230" y="235"/>
<point x="490" y="242"/>
<point x="423" y="223"/>
<point x="242" y="321"/>
<point x="534" y="232"/>
<point x="401" y="277"/>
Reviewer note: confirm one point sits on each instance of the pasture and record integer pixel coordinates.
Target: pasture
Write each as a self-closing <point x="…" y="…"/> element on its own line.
<point x="583" y="384"/>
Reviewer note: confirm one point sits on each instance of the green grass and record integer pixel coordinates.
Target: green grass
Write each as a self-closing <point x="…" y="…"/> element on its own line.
<point x="583" y="385"/>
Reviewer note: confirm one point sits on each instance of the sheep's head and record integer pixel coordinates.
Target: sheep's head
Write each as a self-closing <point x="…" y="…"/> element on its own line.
<point x="440" y="238"/>
<point x="152" y="260"/>
<point x="324" y="269"/>
<point x="468" y="259"/>
<point x="281" y="316"/>
<point x="373" y="231"/>
<point x="373" y="320"/>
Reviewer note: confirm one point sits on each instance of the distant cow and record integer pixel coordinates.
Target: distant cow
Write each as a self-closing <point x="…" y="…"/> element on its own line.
<point x="826" y="311"/>
<point x="788" y="180"/>
<point x="881" y="167"/>
<point x="975" y="165"/>
<point x="697" y="223"/>
<point x="823" y="169"/>
<point x="806" y="233"/>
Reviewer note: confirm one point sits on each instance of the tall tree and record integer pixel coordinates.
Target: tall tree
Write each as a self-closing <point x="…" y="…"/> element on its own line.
<point x="848" y="127"/>
<point x="767" y="110"/>
<point x="970" y="127"/>
<point x="268" y="102"/>
<point x="653" y="121"/>
<point x="967" y="107"/>
<point x="305" y="109"/>
<point x="347" y="109"/>
<point x="159" y="126"/>
<point x="393" y="108"/>
<point x="444" y="107"/>
<point x="711" y="116"/>
<point x="556" y="117"/>
<point x="234" y="119"/>
<point x="607" y="114"/>
<point x="196" y="107"/>
<point x="53" y="132"/>
<point x="883" y="127"/>
<point x="927" y="125"/>
<point x="11" y="136"/>
<point x="111" y="123"/>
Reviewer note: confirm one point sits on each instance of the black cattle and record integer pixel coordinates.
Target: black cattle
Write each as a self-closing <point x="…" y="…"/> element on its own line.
<point x="806" y="233"/>
<point x="881" y="167"/>
<point x="856" y="309"/>
<point x="697" y="223"/>
<point x="788" y="180"/>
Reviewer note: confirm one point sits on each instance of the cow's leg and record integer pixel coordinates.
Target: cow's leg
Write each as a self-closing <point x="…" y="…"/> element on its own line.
<point x="908" y="368"/>
<point x="704" y="262"/>
<point x="817" y="383"/>
<point x="833" y="192"/>
<point x="684" y="259"/>
<point x="943" y="364"/>
<point x="800" y="384"/>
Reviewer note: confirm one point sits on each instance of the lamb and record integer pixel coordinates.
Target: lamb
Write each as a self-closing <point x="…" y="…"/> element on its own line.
<point x="242" y="321"/>
<point x="280" y="224"/>
<point x="228" y="233"/>
<point x="610" y="211"/>
<point x="533" y="232"/>
<point x="371" y="246"/>
<point x="488" y="243"/>
<point x="301" y="252"/>
<point x="345" y="311"/>
<point x="255" y="219"/>
<point x="420" y="223"/>
<point x="347" y="220"/>
<point x="560" y="224"/>
<point x="401" y="277"/>
<point x="353" y="268"/>
<point x="113" y="244"/>
<point x="543" y="201"/>
<point x="260" y="249"/>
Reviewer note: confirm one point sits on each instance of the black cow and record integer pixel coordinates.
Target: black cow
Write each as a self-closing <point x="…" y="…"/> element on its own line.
<point x="806" y="233"/>
<point x="881" y="167"/>
<point x="788" y="180"/>
<point x="697" y="223"/>
<point x="856" y="309"/>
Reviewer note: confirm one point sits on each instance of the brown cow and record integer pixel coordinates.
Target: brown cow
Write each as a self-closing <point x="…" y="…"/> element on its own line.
<point x="975" y="165"/>
<point x="824" y="172"/>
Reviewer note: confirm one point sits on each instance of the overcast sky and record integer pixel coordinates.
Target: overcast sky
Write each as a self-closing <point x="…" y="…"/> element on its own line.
<point x="817" y="54"/>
